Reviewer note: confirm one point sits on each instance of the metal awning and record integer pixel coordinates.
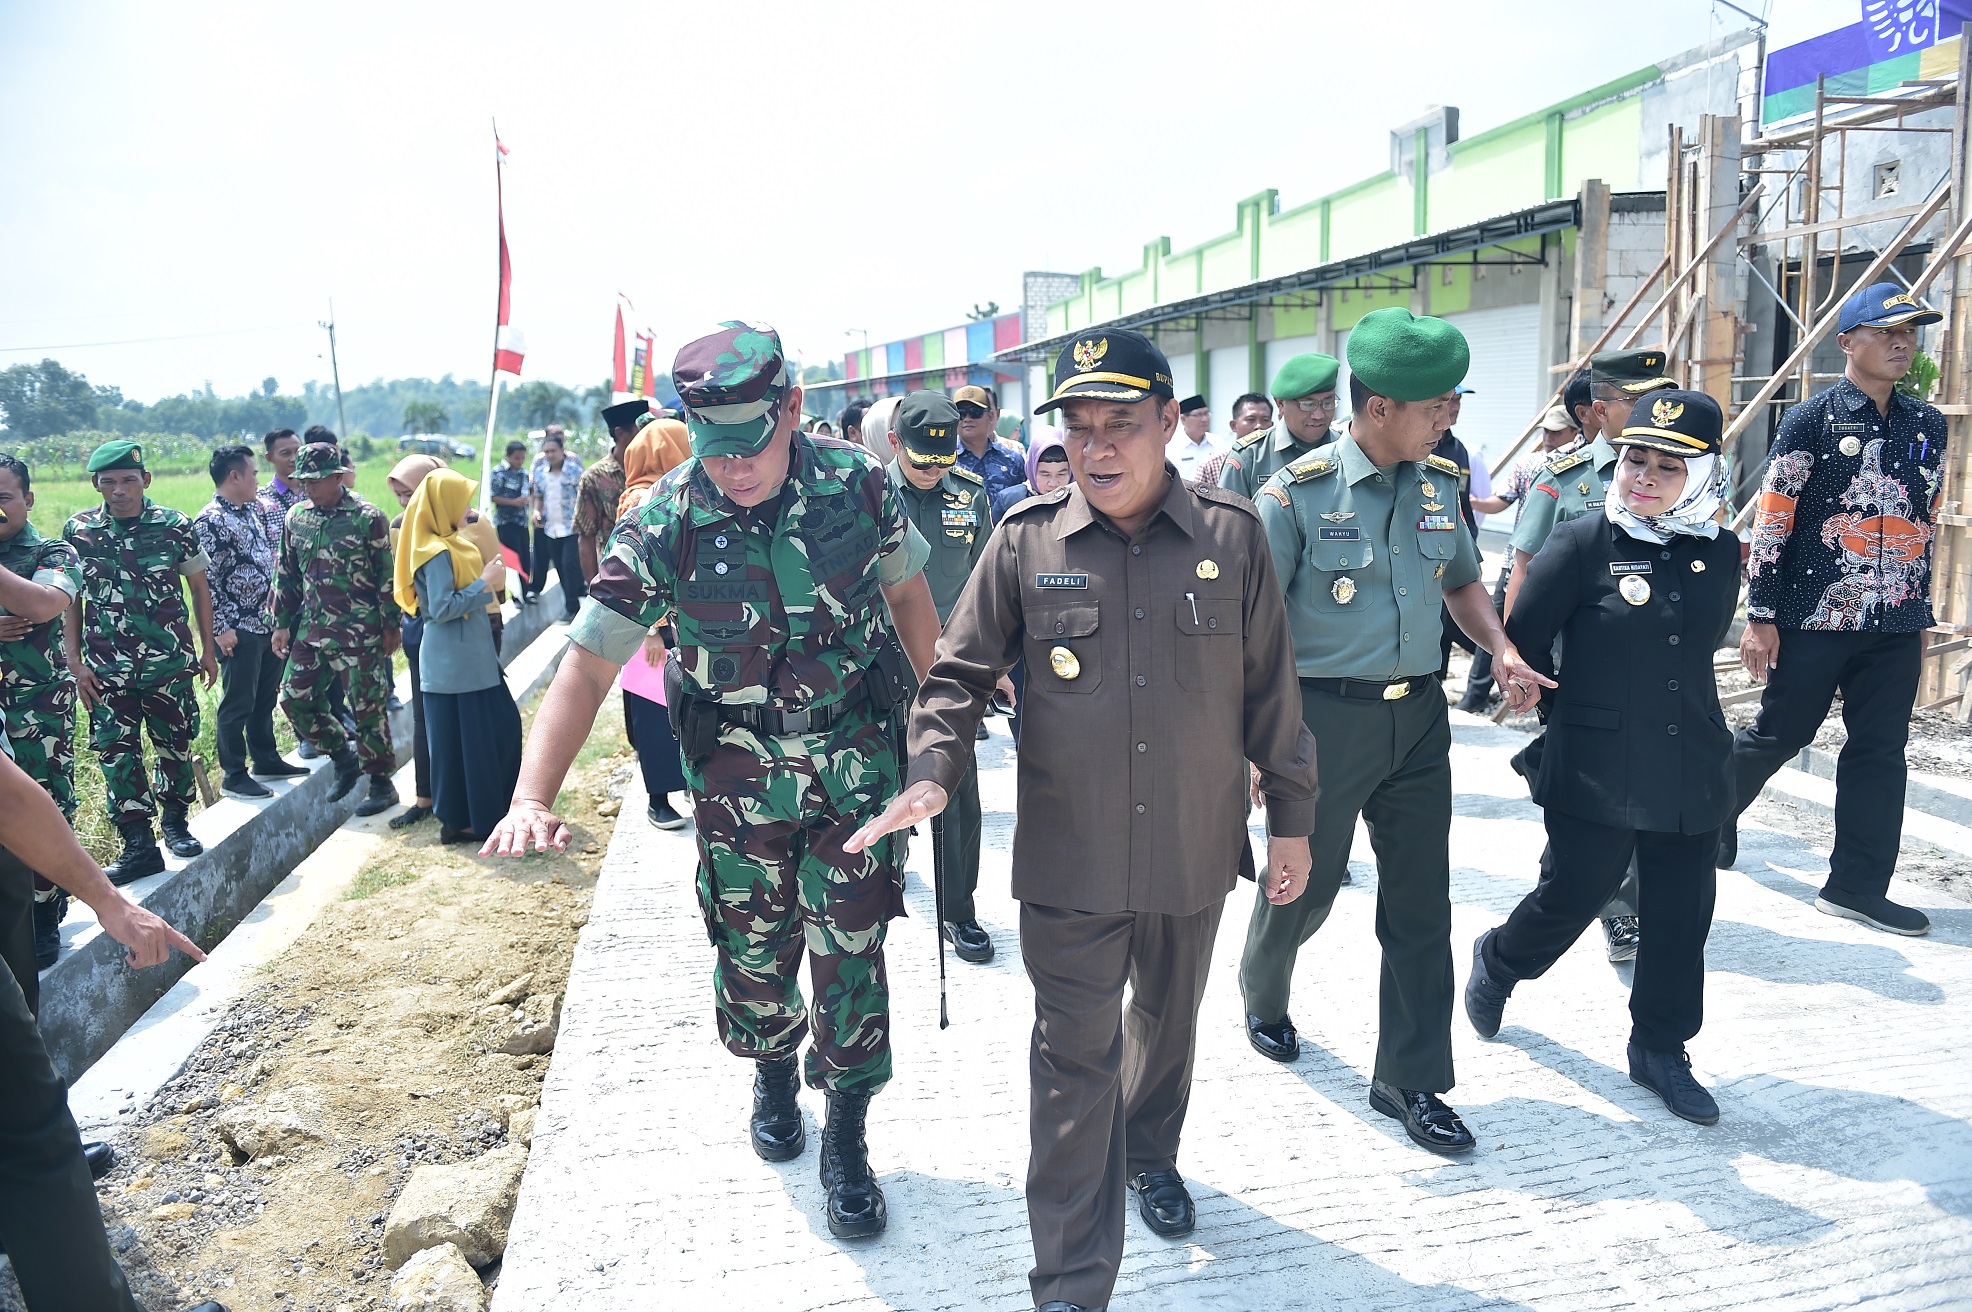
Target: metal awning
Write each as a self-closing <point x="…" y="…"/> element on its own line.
<point x="994" y="365"/>
<point x="1538" y="221"/>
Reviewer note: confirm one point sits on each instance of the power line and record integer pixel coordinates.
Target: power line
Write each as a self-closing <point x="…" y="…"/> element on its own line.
<point x="140" y="341"/>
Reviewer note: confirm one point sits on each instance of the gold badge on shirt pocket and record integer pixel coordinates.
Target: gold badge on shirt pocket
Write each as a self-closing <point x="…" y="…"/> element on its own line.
<point x="1208" y="569"/>
<point x="1635" y="589"/>
<point x="1064" y="663"/>
<point x="1344" y="590"/>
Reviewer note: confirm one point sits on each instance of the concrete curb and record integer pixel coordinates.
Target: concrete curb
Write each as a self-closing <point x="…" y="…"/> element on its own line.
<point x="89" y="997"/>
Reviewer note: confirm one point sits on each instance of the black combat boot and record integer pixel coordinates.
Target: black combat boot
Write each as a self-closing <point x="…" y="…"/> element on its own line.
<point x="382" y="795"/>
<point x="855" y="1205"/>
<point x="348" y="771"/>
<point x="48" y="929"/>
<point x="777" y="1130"/>
<point x="141" y="856"/>
<point x="178" y="838"/>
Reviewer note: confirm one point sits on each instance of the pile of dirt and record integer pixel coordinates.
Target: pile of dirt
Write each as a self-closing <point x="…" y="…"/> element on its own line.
<point x="263" y="1174"/>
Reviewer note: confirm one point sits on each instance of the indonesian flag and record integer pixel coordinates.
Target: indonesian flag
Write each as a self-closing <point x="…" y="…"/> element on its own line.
<point x="508" y="345"/>
<point x="620" y="378"/>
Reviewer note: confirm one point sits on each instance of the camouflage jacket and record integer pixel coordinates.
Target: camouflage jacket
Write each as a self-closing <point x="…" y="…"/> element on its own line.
<point x="33" y="663"/>
<point x="136" y="623"/>
<point x="781" y="607"/>
<point x="333" y="581"/>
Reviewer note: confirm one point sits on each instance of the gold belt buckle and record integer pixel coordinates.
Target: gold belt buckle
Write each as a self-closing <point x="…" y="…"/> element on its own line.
<point x="1396" y="691"/>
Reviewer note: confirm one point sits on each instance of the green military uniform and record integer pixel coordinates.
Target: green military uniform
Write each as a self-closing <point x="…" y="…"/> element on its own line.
<point x="1364" y="556"/>
<point x="333" y="594"/>
<point x="37" y="688"/>
<point x="786" y="734"/>
<point x="1264" y="452"/>
<point x="137" y="640"/>
<point x="954" y="518"/>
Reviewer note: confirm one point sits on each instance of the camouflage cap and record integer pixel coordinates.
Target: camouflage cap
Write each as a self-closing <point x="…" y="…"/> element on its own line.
<point x="731" y="383"/>
<point x="120" y="454"/>
<point x="320" y="460"/>
<point x="927" y="426"/>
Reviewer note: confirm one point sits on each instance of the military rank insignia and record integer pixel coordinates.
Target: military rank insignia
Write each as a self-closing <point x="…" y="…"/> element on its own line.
<point x="1437" y="523"/>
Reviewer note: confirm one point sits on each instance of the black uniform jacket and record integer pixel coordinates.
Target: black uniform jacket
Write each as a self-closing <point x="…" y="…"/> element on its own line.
<point x="1635" y="736"/>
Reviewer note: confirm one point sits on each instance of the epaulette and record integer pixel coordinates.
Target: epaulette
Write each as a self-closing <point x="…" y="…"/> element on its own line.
<point x="1026" y="505"/>
<point x="1312" y="465"/>
<point x="1252" y="438"/>
<point x="1439" y="462"/>
<point x="1562" y="464"/>
<point x="1218" y="496"/>
<point x="962" y="472"/>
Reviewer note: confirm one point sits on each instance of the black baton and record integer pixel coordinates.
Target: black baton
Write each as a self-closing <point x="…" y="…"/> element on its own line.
<point x="938" y="903"/>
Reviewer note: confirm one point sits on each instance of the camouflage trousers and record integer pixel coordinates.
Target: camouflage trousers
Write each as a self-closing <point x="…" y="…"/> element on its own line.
<point x="41" y="727"/>
<point x="169" y="713"/>
<point x="774" y="885"/>
<point x="312" y="674"/>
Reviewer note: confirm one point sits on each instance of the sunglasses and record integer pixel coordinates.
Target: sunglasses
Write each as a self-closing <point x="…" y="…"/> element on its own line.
<point x="926" y="466"/>
<point x="967" y="410"/>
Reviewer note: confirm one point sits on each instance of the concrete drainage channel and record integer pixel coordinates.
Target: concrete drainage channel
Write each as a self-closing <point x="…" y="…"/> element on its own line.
<point x="89" y="998"/>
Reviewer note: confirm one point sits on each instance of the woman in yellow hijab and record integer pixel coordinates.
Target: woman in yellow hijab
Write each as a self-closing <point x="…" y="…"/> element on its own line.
<point x="658" y="448"/>
<point x="472" y="728"/>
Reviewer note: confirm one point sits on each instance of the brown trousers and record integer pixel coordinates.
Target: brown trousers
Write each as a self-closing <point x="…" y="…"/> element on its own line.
<point x="1109" y="1088"/>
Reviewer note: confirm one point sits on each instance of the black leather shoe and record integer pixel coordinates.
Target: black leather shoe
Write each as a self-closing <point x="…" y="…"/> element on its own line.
<point x="1427" y="1120"/>
<point x="1876" y="912"/>
<point x="856" y="1209"/>
<point x="1274" y="1038"/>
<point x="1485" y="997"/>
<point x="348" y="771"/>
<point x="1668" y="1075"/>
<point x="1164" y="1202"/>
<point x="177" y="832"/>
<point x="280" y="770"/>
<point x="1624" y="935"/>
<point x="140" y="858"/>
<point x="1728" y="847"/>
<point x="101" y="1158"/>
<point x="452" y="837"/>
<point x="412" y="814"/>
<point x="663" y="815"/>
<point x="776" y="1129"/>
<point x="382" y="795"/>
<point x="244" y="785"/>
<point x="969" y="942"/>
<point x="48" y="929"/>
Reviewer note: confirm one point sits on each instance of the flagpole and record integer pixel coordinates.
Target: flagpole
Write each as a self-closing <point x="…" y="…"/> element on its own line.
<point x="493" y="391"/>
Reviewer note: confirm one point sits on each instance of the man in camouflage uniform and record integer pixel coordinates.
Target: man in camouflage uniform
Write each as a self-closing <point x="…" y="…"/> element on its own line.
<point x="335" y="617"/>
<point x="1304" y="389"/>
<point x="131" y="649"/>
<point x="39" y="577"/>
<point x="783" y="559"/>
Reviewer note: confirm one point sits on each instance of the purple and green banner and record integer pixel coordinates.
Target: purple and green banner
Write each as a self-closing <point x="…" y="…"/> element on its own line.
<point x="1897" y="41"/>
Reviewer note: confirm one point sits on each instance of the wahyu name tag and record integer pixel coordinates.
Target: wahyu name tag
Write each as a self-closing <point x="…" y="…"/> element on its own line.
<point x="1338" y="535"/>
<point x="1629" y="567"/>
<point x="1061" y="580"/>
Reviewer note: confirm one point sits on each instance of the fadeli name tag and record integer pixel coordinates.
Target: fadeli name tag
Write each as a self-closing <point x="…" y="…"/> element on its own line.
<point x="1061" y="580"/>
<point x="1629" y="567"/>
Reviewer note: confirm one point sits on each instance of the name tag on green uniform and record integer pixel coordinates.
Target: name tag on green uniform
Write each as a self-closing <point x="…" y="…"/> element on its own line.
<point x="1595" y="504"/>
<point x="1061" y="580"/>
<point x="1629" y="567"/>
<point x="1338" y="535"/>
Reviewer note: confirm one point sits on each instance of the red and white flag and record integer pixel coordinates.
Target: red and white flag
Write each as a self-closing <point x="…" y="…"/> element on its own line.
<point x="508" y="345"/>
<point x="620" y="375"/>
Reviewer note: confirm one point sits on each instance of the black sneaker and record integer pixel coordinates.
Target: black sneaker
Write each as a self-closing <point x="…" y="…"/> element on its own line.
<point x="1668" y="1075"/>
<point x="662" y="815"/>
<point x="1876" y="912"/>
<point x="1624" y="934"/>
<point x="244" y="785"/>
<point x="281" y="770"/>
<point x="1485" y="997"/>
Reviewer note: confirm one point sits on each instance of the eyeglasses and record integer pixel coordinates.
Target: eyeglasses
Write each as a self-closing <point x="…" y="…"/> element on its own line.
<point x="967" y="410"/>
<point x="1315" y="405"/>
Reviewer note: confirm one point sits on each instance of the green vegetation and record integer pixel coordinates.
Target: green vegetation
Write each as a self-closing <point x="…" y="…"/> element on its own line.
<point x="375" y="877"/>
<point x="1923" y="376"/>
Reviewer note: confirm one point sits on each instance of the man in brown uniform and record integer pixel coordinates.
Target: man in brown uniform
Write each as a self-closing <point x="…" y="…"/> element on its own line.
<point x="1158" y="661"/>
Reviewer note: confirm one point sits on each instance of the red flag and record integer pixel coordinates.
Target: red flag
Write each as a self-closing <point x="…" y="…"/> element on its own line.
<point x="508" y="346"/>
<point x="620" y="378"/>
<point x="512" y="561"/>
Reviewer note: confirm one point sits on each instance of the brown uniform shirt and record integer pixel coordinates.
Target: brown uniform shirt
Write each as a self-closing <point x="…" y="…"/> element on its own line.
<point x="1131" y="770"/>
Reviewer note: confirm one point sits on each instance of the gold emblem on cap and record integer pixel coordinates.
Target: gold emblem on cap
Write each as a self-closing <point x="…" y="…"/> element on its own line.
<point x="1851" y="446"/>
<point x="1088" y="353"/>
<point x="1635" y="589"/>
<point x="136" y="452"/>
<point x="1344" y="590"/>
<point x="1665" y="411"/>
<point x="1424" y="485"/>
<point x="1208" y="569"/>
<point x="1064" y="663"/>
<point x="1697" y="567"/>
<point x="1899" y="299"/>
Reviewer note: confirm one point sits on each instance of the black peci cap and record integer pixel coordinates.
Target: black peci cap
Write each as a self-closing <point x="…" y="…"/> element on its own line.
<point x="1117" y="365"/>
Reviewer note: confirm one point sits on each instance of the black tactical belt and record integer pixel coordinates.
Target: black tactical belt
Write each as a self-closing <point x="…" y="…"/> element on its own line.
<point x="776" y="722"/>
<point x="1372" y="690"/>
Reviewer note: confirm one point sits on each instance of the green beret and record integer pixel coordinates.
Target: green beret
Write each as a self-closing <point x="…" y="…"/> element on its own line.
<point x="120" y="454"/>
<point x="1306" y="374"/>
<point x="1407" y="358"/>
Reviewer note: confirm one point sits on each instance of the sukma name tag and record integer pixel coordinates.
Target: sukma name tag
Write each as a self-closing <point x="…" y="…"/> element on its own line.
<point x="1061" y="580"/>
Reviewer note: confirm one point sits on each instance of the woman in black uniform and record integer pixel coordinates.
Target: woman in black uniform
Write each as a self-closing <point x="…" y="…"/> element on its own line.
<point x="1638" y="754"/>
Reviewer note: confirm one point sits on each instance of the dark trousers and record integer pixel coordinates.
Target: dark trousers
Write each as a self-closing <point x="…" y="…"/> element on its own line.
<point x="656" y="744"/>
<point x="475" y="756"/>
<point x="250" y="686"/>
<point x="50" y="1222"/>
<point x="565" y="555"/>
<point x="1110" y="1087"/>
<point x="420" y="744"/>
<point x="1677" y="883"/>
<point x="959" y="828"/>
<point x="514" y="538"/>
<point x="1876" y="673"/>
<point x="1390" y="763"/>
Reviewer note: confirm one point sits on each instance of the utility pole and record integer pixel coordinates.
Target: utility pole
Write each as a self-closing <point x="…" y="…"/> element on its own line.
<point x="335" y="373"/>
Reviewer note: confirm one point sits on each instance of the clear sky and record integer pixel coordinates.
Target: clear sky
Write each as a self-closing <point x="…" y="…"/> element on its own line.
<point x="215" y="173"/>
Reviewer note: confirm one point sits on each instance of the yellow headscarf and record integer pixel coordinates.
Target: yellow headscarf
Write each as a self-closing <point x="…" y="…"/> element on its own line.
<point x="658" y="448"/>
<point x="431" y="525"/>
